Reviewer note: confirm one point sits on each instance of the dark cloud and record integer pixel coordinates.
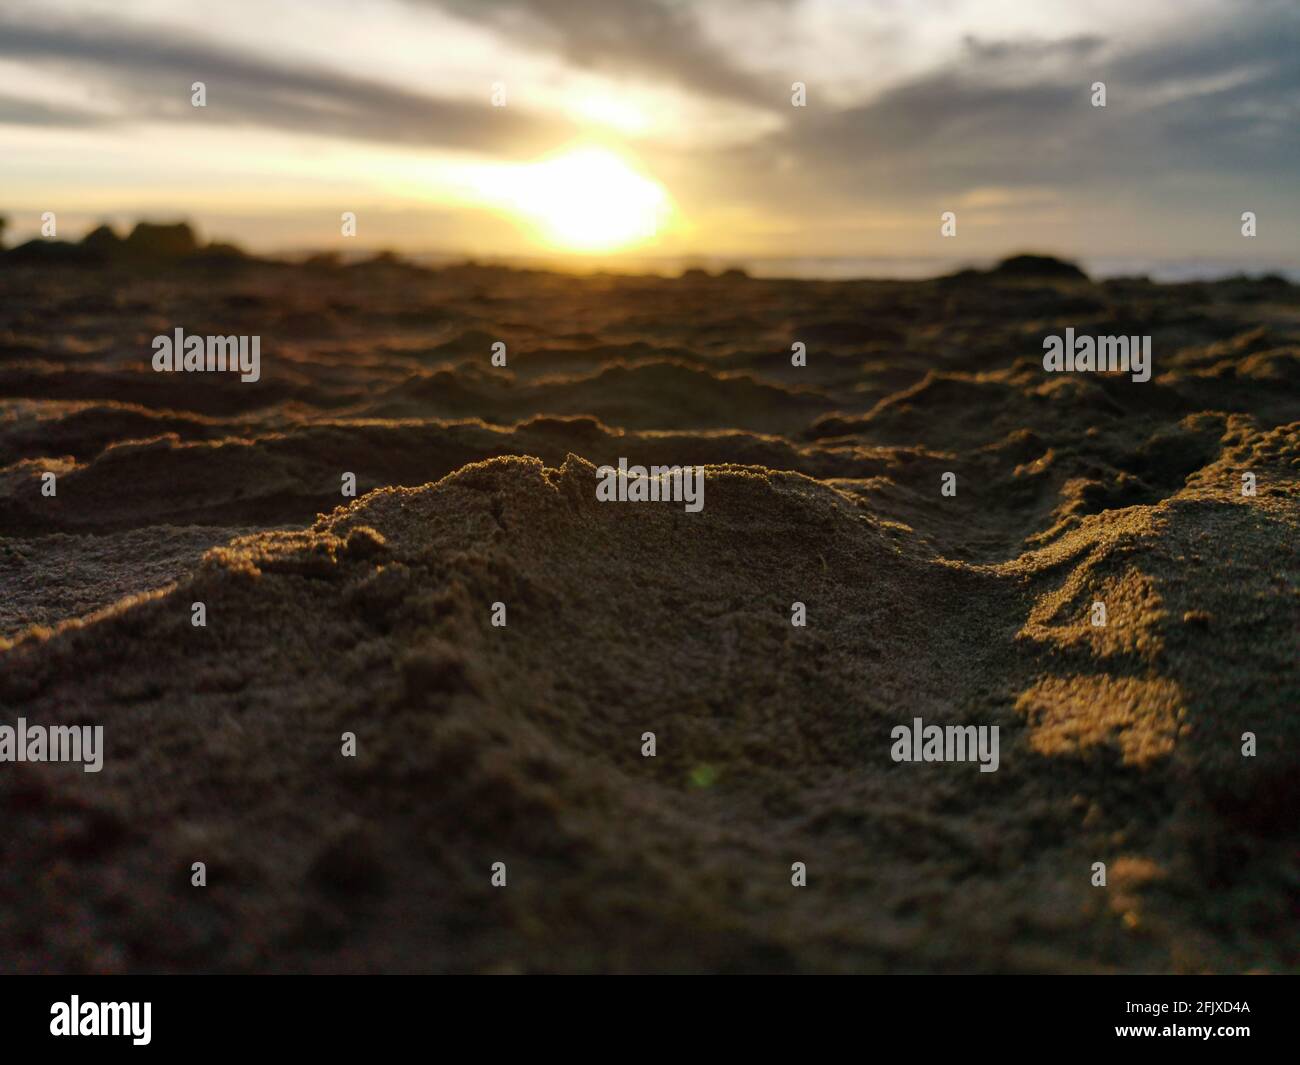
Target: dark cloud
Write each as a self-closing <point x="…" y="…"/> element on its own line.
<point x="1066" y="49"/>
<point x="1018" y="113"/>
<point x="660" y="39"/>
<point x="15" y="111"/>
<point x="150" y="75"/>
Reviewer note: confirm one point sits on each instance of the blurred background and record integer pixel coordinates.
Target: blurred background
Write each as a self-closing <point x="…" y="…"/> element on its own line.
<point x="638" y="134"/>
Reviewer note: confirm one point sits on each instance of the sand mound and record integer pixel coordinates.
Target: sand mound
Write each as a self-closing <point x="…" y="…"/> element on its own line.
<point x="522" y="744"/>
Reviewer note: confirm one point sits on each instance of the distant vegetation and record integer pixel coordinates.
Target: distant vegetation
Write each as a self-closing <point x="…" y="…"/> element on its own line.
<point x="148" y="242"/>
<point x="1039" y="266"/>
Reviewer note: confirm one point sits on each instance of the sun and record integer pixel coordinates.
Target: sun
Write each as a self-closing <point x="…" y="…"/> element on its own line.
<point x="589" y="199"/>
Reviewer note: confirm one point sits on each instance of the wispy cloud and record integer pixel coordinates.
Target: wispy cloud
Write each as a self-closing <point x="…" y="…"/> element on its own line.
<point x="658" y="39"/>
<point x="1016" y="114"/>
<point x="148" y="74"/>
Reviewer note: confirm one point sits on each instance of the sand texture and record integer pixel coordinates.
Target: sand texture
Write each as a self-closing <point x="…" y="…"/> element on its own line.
<point x="478" y="744"/>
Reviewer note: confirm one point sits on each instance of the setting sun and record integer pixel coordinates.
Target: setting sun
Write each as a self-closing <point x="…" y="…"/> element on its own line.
<point x="588" y="199"/>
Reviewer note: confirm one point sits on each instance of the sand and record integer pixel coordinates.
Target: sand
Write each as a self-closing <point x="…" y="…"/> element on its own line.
<point x="522" y="744"/>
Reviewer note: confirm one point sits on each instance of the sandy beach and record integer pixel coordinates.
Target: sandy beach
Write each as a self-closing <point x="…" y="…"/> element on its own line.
<point x="476" y="484"/>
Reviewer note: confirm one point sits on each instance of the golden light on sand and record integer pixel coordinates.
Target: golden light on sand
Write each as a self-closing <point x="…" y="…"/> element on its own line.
<point x="588" y="199"/>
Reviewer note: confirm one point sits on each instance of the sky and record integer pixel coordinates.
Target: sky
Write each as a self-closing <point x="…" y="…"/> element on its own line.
<point x="621" y="127"/>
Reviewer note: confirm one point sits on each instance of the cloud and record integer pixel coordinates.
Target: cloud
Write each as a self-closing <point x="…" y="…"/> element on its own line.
<point x="1032" y="52"/>
<point x="1223" y="100"/>
<point x="149" y="74"/>
<point x="659" y="39"/>
<point x="16" y="111"/>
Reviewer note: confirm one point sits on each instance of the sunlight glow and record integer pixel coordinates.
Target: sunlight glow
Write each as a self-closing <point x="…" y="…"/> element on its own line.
<point x="605" y="110"/>
<point x="587" y="199"/>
